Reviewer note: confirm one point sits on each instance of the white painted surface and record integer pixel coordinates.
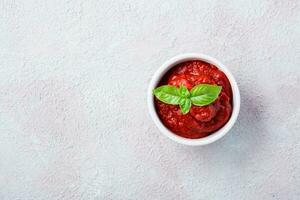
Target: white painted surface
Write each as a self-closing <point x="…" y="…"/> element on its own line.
<point x="73" y="117"/>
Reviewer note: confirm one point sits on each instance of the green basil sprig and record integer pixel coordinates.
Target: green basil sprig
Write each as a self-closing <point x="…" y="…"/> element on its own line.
<point x="200" y="95"/>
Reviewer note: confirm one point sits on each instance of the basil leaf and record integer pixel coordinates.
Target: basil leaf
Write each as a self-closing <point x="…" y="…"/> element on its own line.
<point x="168" y="94"/>
<point x="185" y="105"/>
<point x="205" y="94"/>
<point x="184" y="92"/>
<point x="200" y="95"/>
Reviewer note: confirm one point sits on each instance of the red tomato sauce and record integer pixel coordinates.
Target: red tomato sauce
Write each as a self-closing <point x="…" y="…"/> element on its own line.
<point x="200" y="121"/>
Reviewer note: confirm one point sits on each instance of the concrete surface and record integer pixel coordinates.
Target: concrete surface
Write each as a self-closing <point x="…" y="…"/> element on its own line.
<point x="73" y="117"/>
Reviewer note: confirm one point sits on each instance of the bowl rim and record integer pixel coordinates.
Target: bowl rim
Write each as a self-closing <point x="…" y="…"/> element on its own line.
<point x="166" y="67"/>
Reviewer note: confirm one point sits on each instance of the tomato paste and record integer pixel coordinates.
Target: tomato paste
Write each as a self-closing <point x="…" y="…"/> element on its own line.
<point x="201" y="121"/>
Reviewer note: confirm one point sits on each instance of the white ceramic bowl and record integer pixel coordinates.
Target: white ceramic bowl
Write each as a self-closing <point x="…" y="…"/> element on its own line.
<point x="161" y="72"/>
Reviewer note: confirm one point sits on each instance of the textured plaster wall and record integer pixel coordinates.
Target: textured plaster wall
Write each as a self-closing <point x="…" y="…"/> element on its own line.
<point x="73" y="117"/>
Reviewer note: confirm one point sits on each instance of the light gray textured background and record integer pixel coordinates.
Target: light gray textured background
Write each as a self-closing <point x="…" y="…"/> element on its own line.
<point x="73" y="117"/>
